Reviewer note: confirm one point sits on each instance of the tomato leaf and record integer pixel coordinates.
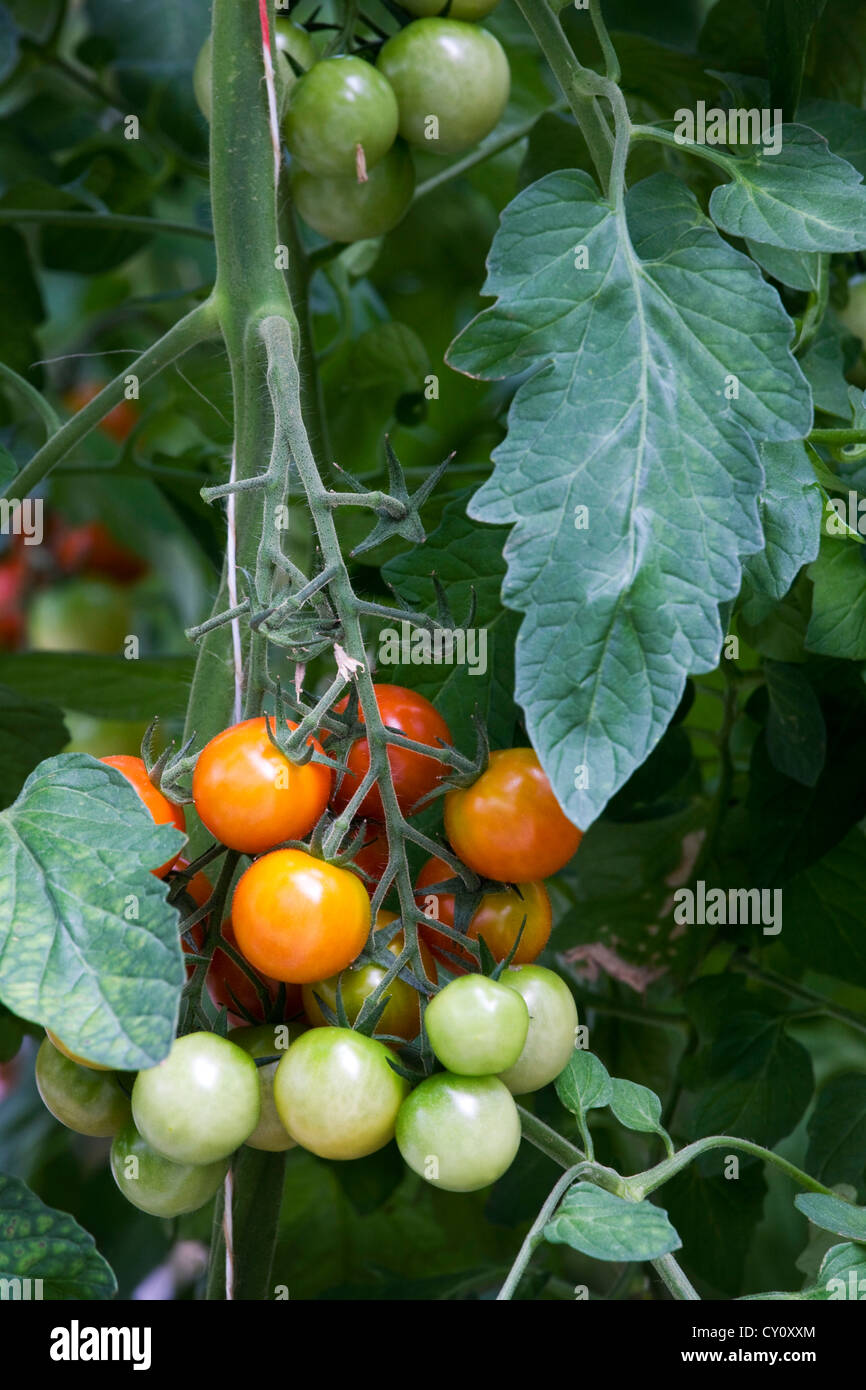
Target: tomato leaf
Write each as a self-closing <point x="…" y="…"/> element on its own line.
<point x="635" y="1106"/>
<point x="804" y="198"/>
<point x="88" y="944"/>
<point x="832" y="892"/>
<point x="607" y="1227"/>
<point x="837" y="1131"/>
<point x="754" y="1080"/>
<point x="29" y="731"/>
<point x="838" y="623"/>
<point x="631" y="472"/>
<point x="584" y="1084"/>
<point x="37" y="1242"/>
<point x="832" y="1214"/>
<point x="790" y="510"/>
<point x="108" y="687"/>
<point x="795" y="731"/>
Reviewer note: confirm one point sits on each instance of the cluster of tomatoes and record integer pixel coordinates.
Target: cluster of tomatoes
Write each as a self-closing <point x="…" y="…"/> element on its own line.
<point x="300" y="922"/>
<point x="440" y="84"/>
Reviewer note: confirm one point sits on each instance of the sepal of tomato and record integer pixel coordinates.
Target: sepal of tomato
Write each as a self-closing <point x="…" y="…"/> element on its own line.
<point x="401" y="1017"/>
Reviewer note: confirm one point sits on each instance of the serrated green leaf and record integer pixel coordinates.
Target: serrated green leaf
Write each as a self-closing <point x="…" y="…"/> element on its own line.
<point x="37" y="1242"/>
<point x="88" y="943"/>
<point x="584" y="1084"/>
<point x="800" y="270"/>
<point x="753" y="1080"/>
<point x="607" y="1227"/>
<point x="625" y="413"/>
<point x="837" y="1131"/>
<point x="803" y="199"/>
<point x="108" y="687"/>
<point x="832" y="1214"/>
<point x="843" y="1272"/>
<point x="837" y="626"/>
<point x="636" y="1107"/>
<point x="831" y="892"/>
<point x="842" y="125"/>
<point x="790" y="511"/>
<point x="823" y="365"/>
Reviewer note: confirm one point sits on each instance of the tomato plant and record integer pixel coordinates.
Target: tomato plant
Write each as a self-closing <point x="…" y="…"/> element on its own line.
<point x="433" y="452"/>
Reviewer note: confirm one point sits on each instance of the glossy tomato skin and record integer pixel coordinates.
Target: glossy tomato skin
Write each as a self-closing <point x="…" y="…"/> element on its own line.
<point x="268" y="1040"/>
<point x="87" y="1101"/>
<point x="79" y="615"/>
<point x="163" y="811"/>
<point x="201" y="1102"/>
<point x="402" y="1015"/>
<point x="342" y="209"/>
<point x="291" y="42"/>
<point x="508" y="825"/>
<point x="497" y="918"/>
<point x="413" y="774"/>
<point x="155" y="1184"/>
<point x="475" y="1028"/>
<point x="461" y="1133"/>
<point x="299" y="919"/>
<point x="249" y="796"/>
<point x="372" y="857"/>
<point x="552" y="1034"/>
<point x="453" y="71"/>
<point x="120" y="421"/>
<point x="340" y="105"/>
<point x="336" y="1093"/>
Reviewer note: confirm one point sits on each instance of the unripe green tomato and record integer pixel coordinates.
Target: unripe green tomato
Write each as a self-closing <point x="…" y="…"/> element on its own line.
<point x="459" y="1132"/>
<point x="268" y="1040"/>
<point x="154" y="1184"/>
<point x="90" y="1102"/>
<point x="81" y="615"/>
<point x="552" y="1028"/>
<point x="336" y="1093"/>
<point x="476" y="1027"/>
<point x="342" y="209"/>
<point x="290" y="39"/>
<point x="340" y="107"/>
<point x="201" y="1102"/>
<point x="294" y="40"/>
<point x="460" y="9"/>
<point x="451" y="81"/>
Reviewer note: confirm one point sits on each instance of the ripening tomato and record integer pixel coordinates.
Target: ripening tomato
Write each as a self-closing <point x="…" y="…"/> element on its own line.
<point x="90" y="1102"/>
<point x="497" y="918"/>
<point x="120" y="421"/>
<point x="299" y="919"/>
<point x="154" y="1183"/>
<point x="163" y="811"/>
<point x="402" y="1015"/>
<point x="13" y="588"/>
<point x="268" y="1040"/>
<point x="476" y="1026"/>
<point x="73" y="1056"/>
<point x="337" y="1094"/>
<point x="372" y="857"/>
<point x="413" y="774"/>
<point x="250" y="796"/>
<point x="509" y="825"/>
<point x="92" y="549"/>
<point x="199" y="1103"/>
<point x="552" y="1034"/>
<point x="459" y="1132"/>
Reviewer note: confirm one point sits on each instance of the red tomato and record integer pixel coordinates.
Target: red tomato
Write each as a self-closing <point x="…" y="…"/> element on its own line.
<point x="414" y="775"/>
<point x="120" y="421"/>
<point x="92" y="549"/>
<point x="509" y="825"/>
<point x="163" y="811"/>
<point x="299" y="919"/>
<point x="249" y="796"/>
<point x="13" y="588"/>
<point x="372" y="857"/>
<point x="497" y="918"/>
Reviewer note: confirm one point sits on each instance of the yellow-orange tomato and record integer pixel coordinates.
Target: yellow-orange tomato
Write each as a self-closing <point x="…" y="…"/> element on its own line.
<point x="249" y="796"/>
<point x="299" y="919"/>
<point x="164" y="812"/>
<point x="497" y="917"/>
<point x="73" y="1056"/>
<point x="402" y="1015"/>
<point x="509" y="825"/>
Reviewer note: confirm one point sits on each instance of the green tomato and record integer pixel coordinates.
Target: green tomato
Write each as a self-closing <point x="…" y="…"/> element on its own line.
<point x="476" y="1027"/>
<point x="342" y="209"/>
<point x="291" y="41"/>
<point x="294" y="41"/>
<point x="340" y="111"/>
<point x="268" y="1040"/>
<point x="81" y="615"/>
<point x="451" y="80"/>
<point x="552" y="1028"/>
<point x="336" y="1093"/>
<point x="459" y="1132"/>
<point x="460" y="9"/>
<point x="201" y="1102"/>
<point x="90" y="1102"/>
<point x="154" y="1184"/>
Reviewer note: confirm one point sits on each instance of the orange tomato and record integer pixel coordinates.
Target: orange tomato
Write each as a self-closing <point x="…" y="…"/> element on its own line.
<point x="298" y="919"/>
<point x="497" y="917"/>
<point x="163" y="811"/>
<point x="120" y="421"/>
<point x="249" y="796"/>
